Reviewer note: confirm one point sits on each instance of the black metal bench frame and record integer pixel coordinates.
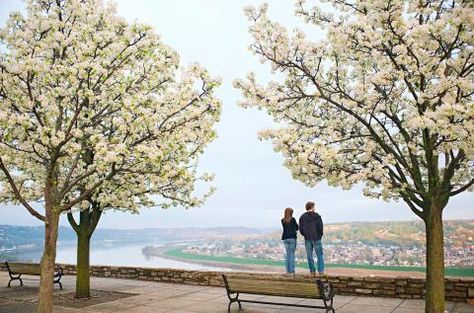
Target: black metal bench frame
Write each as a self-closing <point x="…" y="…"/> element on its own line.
<point x="327" y="298"/>
<point x="58" y="273"/>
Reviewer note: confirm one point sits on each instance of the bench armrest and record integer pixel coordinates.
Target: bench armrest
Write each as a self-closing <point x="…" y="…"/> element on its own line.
<point x="8" y="266"/>
<point x="58" y="272"/>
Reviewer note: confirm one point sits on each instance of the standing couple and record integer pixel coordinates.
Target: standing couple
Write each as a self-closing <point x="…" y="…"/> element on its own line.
<point x="311" y="227"/>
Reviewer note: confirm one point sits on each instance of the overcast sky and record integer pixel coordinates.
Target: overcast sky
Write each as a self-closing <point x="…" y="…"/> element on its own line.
<point x="253" y="187"/>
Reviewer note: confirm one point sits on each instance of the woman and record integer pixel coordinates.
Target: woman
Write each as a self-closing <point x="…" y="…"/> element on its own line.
<point x="290" y="227"/>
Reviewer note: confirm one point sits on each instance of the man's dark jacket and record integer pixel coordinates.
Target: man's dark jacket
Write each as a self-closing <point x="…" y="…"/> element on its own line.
<point x="311" y="226"/>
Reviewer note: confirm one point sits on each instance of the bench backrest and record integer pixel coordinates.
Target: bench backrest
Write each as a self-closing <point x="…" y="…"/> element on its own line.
<point x="25" y="268"/>
<point x="272" y="287"/>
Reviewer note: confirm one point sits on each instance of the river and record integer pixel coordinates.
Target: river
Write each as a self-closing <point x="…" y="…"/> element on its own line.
<point x="128" y="255"/>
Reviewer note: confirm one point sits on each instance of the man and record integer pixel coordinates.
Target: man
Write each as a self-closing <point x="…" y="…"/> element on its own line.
<point x="311" y="227"/>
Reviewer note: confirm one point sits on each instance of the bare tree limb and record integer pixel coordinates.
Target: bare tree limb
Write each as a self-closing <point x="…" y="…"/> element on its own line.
<point x="18" y="194"/>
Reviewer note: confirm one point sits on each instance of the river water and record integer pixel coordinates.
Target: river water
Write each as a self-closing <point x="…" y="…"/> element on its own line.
<point x="129" y="255"/>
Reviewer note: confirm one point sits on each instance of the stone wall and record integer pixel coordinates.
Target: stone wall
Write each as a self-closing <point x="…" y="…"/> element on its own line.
<point x="458" y="290"/>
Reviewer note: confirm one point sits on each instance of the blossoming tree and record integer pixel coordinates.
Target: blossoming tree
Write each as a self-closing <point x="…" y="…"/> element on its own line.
<point x="386" y="99"/>
<point x="166" y="178"/>
<point x="92" y="110"/>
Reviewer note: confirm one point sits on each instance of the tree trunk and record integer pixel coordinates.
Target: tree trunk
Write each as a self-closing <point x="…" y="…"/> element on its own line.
<point x="88" y="221"/>
<point x="48" y="261"/>
<point x="82" y="275"/>
<point x="434" y="261"/>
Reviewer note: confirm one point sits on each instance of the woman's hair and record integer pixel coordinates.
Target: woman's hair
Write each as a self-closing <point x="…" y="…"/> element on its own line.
<point x="288" y="215"/>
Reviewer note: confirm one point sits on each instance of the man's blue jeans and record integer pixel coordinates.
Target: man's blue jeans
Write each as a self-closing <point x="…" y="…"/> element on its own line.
<point x="290" y="247"/>
<point x="317" y="246"/>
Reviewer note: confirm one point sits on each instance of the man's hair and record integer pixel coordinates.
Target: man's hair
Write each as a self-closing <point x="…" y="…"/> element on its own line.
<point x="309" y="205"/>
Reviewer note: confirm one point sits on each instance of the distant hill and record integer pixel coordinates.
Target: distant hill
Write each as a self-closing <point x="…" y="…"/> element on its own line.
<point x="400" y="233"/>
<point x="12" y="235"/>
<point x="409" y="233"/>
<point x="457" y="233"/>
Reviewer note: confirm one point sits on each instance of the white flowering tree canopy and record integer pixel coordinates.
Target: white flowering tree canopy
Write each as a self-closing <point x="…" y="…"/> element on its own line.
<point x="385" y="99"/>
<point x="101" y="107"/>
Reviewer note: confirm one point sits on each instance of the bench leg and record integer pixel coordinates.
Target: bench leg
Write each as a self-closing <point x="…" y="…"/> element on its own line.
<point x="230" y="303"/>
<point x="12" y="278"/>
<point x="232" y="300"/>
<point x="329" y="306"/>
<point x="58" y="281"/>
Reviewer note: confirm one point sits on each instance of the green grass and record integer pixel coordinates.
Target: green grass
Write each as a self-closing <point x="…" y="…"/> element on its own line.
<point x="178" y="253"/>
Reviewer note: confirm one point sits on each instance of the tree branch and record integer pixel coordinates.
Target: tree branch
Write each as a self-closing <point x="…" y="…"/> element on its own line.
<point x="17" y="193"/>
<point x="73" y="223"/>
<point x="96" y="214"/>
<point x="89" y="191"/>
<point x="461" y="189"/>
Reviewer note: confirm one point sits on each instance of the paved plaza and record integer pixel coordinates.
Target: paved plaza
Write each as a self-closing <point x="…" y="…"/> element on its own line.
<point x="135" y="296"/>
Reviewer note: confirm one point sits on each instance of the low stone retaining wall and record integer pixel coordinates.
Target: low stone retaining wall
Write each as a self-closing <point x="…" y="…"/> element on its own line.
<point x="457" y="290"/>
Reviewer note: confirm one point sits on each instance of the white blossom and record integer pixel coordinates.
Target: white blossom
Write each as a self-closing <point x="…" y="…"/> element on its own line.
<point x="101" y="105"/>
<point x="385" y="99"/>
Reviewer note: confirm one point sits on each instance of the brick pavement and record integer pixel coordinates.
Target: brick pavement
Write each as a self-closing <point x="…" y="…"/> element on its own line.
<point x="158" y="297"/>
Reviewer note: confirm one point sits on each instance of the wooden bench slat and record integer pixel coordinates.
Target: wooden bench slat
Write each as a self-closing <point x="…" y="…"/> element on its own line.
<point x="268" y="292"/>
<point x="275" y="284"/>
<point x="303" y="289"/>
<point x="310" y="289"/>
<point x="295" y="289"/>
<point x="250" y="277"/>
<point x="280" y="294"/>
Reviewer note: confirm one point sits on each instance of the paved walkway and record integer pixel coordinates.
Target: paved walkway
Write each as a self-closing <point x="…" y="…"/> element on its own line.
<point x="151" y="297"/>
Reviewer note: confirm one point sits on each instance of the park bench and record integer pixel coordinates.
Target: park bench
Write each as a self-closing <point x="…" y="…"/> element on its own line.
<point x="15" y="270"/>
<point x="280" y="287"/>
